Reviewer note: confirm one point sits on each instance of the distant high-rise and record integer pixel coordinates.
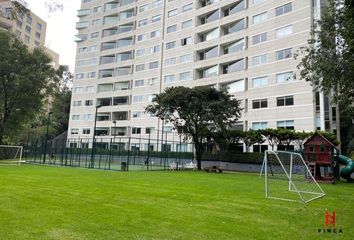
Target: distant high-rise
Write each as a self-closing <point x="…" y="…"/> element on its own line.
<point x="30" y="28"/>
<point x="128" y="50"/>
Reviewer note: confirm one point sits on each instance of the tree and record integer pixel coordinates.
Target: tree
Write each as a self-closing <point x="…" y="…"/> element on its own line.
<point x="301" y="137"/>
<point x="271" y="135"/>
<point x="26" y="79"/>
<point x="328" y="62"/>
<point x="62" y="101"/>
<point x="196" y="112"/>
<point x="285" y="137"/>
<point x="252" y="137"/>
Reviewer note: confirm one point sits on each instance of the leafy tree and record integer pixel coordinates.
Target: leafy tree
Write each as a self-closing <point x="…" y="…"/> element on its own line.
<point x="330" y="137"/>
<point x="26" y="79"/>
<point x="196" y="112"/>
<point x="328" y="62"/>
<point x="62" y="101"/>
<point x="285" y="137"/>
<point x="271" y="135"/>
<point x="252" y="137"/>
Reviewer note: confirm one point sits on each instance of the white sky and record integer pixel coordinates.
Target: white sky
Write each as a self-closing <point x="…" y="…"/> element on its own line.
<point x="60" y="27"/>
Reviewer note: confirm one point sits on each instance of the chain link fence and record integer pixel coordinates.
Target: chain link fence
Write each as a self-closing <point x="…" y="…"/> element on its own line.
<point x="120" y="153"/>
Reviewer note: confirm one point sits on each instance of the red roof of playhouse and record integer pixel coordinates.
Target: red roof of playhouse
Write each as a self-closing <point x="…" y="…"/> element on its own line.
<point x="325" y="139"/>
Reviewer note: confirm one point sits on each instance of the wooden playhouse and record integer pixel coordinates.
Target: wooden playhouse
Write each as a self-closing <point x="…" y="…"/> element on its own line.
<point x="319" y="155"/>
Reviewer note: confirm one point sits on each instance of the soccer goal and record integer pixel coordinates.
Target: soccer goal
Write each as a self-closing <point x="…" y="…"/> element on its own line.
<point x="287" y="177"/>
<point x="11" y="154"/>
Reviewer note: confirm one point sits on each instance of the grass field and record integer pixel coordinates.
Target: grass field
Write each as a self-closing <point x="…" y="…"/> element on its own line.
<point x="41" y="202"/>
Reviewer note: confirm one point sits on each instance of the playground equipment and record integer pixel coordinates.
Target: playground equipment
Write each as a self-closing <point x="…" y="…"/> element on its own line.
<point x="323" y="159"/>
<point x="348" y="169"/>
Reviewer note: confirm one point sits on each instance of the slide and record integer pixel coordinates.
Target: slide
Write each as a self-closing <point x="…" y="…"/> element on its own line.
<point x="347" y="171"/>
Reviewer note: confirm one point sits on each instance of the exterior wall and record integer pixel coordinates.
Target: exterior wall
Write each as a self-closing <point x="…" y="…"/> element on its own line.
<point x="300" y="18"/>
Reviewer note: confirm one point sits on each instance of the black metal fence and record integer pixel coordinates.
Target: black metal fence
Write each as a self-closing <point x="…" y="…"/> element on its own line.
<point x="120" y="153"/>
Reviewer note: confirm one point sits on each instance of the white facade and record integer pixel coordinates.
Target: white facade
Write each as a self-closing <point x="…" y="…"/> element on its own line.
<point x="129" y="50"/>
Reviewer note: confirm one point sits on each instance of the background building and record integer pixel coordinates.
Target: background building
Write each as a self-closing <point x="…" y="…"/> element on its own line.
<point x="129" y="50"/>
<point x="30" y="28"/>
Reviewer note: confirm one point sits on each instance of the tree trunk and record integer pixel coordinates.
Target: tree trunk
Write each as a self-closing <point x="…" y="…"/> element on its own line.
<point x="199" y="152"/>
<point x="1" y="134"/>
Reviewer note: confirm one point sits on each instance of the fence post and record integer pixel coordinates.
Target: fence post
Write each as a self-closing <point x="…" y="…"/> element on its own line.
<point x="110" y="155"/>
<point x="128" y="154"/>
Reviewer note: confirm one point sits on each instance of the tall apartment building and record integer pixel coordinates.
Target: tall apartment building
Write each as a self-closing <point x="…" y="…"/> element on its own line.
<point x="128" y="50"/>
<point x="30" y="28"/>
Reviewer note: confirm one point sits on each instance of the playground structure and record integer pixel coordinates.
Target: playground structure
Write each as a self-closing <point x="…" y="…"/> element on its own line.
<point x="323" y="160"/>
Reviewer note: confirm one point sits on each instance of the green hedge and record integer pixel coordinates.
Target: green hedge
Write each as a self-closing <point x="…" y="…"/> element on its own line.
<point x="254" y="158"/>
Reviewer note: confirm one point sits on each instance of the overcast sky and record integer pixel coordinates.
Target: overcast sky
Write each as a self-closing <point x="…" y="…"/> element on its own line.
<point x="60" y="27"/>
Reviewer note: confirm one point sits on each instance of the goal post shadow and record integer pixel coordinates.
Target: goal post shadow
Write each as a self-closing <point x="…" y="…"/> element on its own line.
<point x="286" y="173"/>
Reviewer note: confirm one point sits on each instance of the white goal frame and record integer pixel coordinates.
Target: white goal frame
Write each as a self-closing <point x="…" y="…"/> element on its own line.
<point x="291" y="186"/>
<point x="18" y="152"/>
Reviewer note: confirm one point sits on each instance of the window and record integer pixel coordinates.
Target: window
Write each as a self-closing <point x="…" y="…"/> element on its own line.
<point x="156" y="18"/>
<point x="210" y="17"/>
<point x="140" y="52"/>
<point x="187" y="7"/>
<point x="80" y="76"/>
<point x="90" y="89"/>
<point x="96" y="22"/>
<point x="259" y="38"/>
<point x="156" y="33"/>
<point x="284" y="77"/>
<point x="234" y="27"/>
<point x="106" y="73"/>
<point x="38" y="35"/>
<point x="171" y="45"/>
<point x="284" y="54"/>
<point x="170" y="61"/>
<point x="169" y="79"/>
<point x="77" y="103"/>
<point x="88" y="117"/>
<point x="29" y="19"/>
<point x="259" y="125"/>
<point x="187" y="24"/>
<point x="105" y="87"/>
<point x="258" y="60"/>
<point x="259" y="18"/>
<point x="235" y="8"/>
<point x="172" y="28"/>
<point x="136" y="130"/>
<point x="75" y="117"/>
<point x="186" y="41"/>
<point x="137" y="114"/>
<point x="210" y="72"/>
<point x="138" y="83"/>
<point x="143" y="8"/>
<point x="74" y="131"/>
<point x="186" y="58"/>
<point x="121" y="86"/>
<point x="78" y="90"/>
<point x="142" y="22"/>
<point x="259" y="82"/>
<point x="185" y="76"/>
<point x="95" y="35"/>
<point x="233" y="67"/>
<point x="149" y="130"/>
<point x="215" y="33"/>
<point x="256" y="1"/>
<point x="39" y="26"/>
<point x="234" y="47"/>
<point x="172" y="12"/>
<point x="283" y="9"/>
<point x="88" y="102"/>
<point x="28" y="29"/>
<point x="91" y="75"/>
<point x="259" y="103"/>
<point x="153" y="65"/>
<point x="285" y="101"/>
<point x="36" y="43"/>
<point x="138" y="98"/>
<point x="142" y="37"/>
<point x="237" y="86"/>
<point x="86" y="131"/>
<point x="282" y="32"/>
<point x="139" y="67"/>
<point x="287" y="124"/>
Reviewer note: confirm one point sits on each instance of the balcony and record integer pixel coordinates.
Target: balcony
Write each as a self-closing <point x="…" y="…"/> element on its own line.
<point x="104" y="102"/>
<point x="117" y="101"/>
<point x="120" y="116"/>
<point x="235" y="66"/>
<point x="102" y="117"/>
<point x="234" y="27"/>
<point x="234" y="8"/>
<point x="209" y="17"/>
<point x="83" y="12"/>
<point x="119" y="131"/>
<point x="82" y="25"/>
<point x="80" y="37"/>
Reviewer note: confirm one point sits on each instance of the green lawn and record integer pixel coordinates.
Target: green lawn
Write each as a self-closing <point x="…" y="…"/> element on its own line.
<point x="41" y="202"/>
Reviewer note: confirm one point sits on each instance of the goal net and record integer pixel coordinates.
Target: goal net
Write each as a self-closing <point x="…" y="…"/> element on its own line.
<point x="287" y="177"/>
<point x="11" y="154"/>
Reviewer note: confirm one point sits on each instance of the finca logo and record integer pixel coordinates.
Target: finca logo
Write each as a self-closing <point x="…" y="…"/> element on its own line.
<point x="330" y="224"/>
